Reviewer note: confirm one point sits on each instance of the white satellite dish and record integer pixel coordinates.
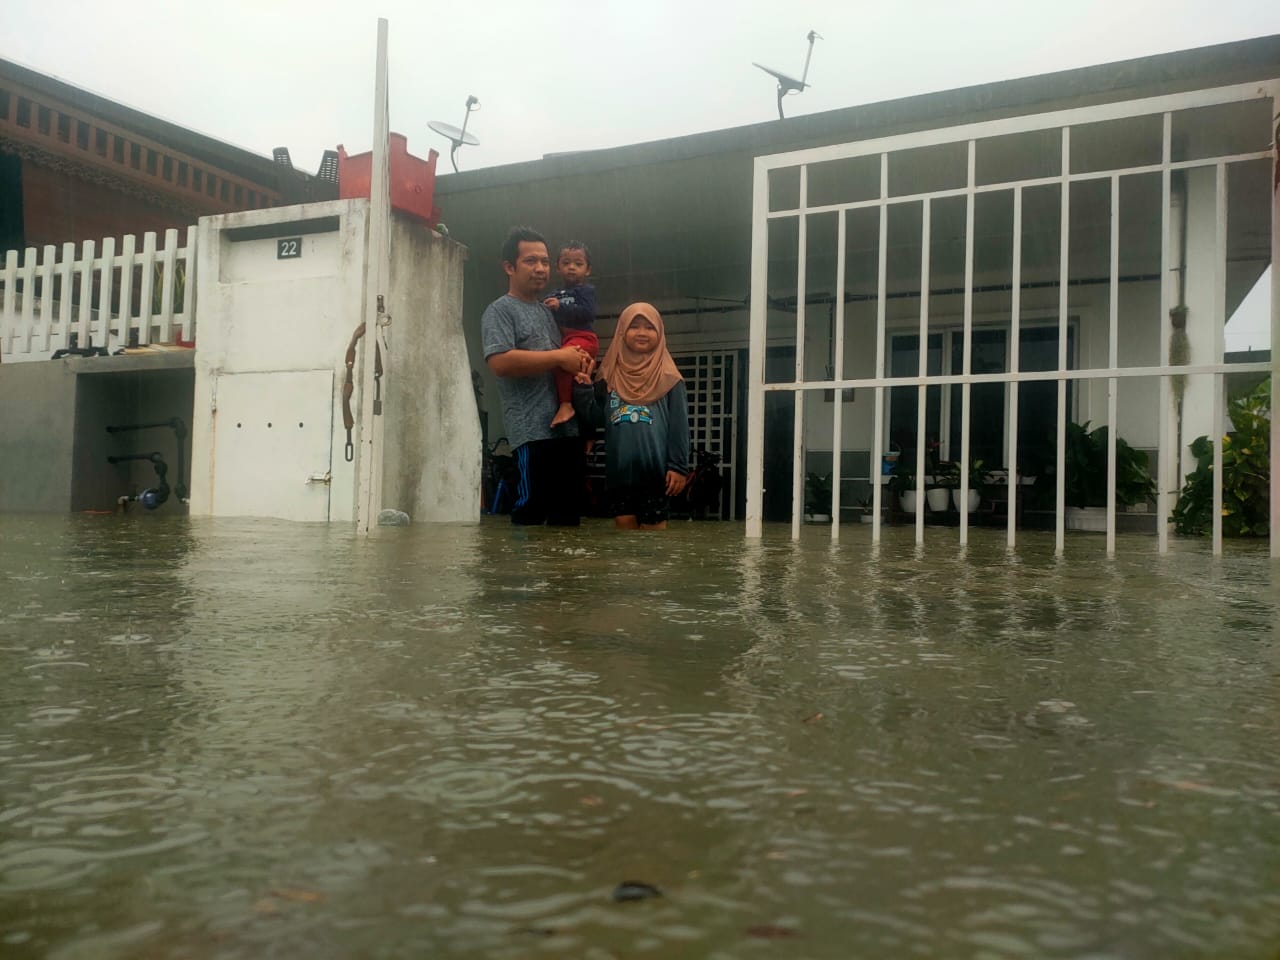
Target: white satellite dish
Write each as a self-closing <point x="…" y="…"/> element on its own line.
<point x="455" y="135"/>
<point x="788" y="84"/>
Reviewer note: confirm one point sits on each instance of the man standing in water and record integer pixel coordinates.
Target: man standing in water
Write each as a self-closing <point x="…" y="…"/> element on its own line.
<point x="522" y="347"/>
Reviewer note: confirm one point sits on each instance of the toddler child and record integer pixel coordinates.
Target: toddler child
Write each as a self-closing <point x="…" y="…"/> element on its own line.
<point x="574" y="307"/>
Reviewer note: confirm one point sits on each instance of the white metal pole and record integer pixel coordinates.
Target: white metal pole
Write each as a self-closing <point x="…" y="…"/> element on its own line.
<point x="922" y="396"/>
<point x="1113" y="356"/>
<point x="1219" y="321"/>
<point x="1012" y="476"/>
<point x="756" y="354"/>
<point x="837" y="418"/>
<point x="798" y="444"/>
<point x="967" y="366"/>
<point x="1064" y="415"/>
<point x="881" y="296"/>
<point x="1169" y="456"/>
<point x="1275" y="324"/>
<point x="377" y="269"/>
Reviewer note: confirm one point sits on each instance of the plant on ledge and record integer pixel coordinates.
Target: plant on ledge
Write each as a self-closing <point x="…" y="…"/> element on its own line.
<point x="1246" y="474"/>
<point x="1086" y="482"/>
<point x="817" y="494"/>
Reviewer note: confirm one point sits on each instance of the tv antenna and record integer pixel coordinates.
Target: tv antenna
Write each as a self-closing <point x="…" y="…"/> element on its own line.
<point x="788" y="84"/>
<point x="457" y="136"/>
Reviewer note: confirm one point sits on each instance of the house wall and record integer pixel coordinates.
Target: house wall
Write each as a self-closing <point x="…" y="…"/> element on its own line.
<point x="59" y="208"/>
<point x="431" y="466"/>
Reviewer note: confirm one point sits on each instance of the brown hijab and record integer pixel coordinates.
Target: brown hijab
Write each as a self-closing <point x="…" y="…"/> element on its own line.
<point x="639" y="377"/>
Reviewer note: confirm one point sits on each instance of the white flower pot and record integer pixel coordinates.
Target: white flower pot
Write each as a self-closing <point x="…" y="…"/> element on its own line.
<point x="937" y="498"/>
<point x="908" y="499"/>
<point x="974" y="499"/>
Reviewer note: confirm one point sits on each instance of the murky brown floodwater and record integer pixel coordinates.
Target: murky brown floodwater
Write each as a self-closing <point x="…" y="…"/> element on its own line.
<point x="226" y="739"/>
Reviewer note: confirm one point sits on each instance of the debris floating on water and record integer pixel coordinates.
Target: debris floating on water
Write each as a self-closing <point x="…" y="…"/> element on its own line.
<point x="634" y="890"/>
<point x="392" y="518"/>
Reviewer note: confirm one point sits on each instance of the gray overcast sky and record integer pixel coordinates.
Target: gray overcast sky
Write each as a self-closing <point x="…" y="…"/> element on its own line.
<point x="562" y="75"/>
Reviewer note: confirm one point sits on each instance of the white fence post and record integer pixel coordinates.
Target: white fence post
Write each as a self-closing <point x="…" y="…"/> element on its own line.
<point x="74" y="296"/>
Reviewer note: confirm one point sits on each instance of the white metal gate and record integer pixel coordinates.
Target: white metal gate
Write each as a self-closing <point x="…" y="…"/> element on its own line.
<point x="711" y="380"/>
<point x="912" y="177"/>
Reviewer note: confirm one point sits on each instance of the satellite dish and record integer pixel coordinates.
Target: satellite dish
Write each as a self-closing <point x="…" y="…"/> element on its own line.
<point x="457" y="135"/>
<point x="788" y="84"/>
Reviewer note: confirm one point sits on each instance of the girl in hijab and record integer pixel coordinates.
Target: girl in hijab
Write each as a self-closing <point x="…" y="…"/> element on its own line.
<point x="641" y="402"/>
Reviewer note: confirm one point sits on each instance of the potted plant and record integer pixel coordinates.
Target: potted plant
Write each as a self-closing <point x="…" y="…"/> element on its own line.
<point x="945" y="477"/>
<point x="1086" y="479"/>
<point x="977" y="484"/>
<point x="817" y="497"/>
<point x="903" y="483"/>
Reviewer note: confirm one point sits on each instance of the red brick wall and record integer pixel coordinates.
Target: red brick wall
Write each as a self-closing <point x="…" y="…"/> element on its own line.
<point x="58" y="209"/>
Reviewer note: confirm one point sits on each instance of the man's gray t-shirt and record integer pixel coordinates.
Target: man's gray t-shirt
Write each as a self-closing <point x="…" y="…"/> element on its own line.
<point x="528" y="403"/>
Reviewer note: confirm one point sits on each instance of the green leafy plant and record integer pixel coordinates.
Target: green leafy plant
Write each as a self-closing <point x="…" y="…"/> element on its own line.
<point x="817" y="489"/>
<point x="1086" y="481"/>
<point x="1246" y="473"/>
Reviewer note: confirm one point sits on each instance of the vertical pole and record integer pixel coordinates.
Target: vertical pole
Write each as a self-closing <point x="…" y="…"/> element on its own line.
<point x="1168" y="464"/>
<point x="1012" y="476"/>
<point x="798" y="444"/>
<point x="1113" y="360"/>
<point x="1064" y="415"/>
<point x="967" y="367"/>
<point x="1275" y="323"/>
<point x="755" y="355"/>
<point x="837" y="419"/>
<point x="369" y="474"/>
<point x="922" y="393"/>
<point x="1219" y="321"/>
<point x="878" y="448"/>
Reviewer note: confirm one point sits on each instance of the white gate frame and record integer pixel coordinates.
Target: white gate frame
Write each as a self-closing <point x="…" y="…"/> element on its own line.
<point x="970" y="133"/>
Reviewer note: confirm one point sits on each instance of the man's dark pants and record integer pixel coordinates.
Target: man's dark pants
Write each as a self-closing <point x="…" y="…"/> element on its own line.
<point x="550" y="488"/>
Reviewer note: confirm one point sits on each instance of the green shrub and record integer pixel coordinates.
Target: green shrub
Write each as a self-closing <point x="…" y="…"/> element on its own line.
<point x="1246" y="473"/>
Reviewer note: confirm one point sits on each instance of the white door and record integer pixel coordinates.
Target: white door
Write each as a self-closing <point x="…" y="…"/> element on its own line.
<point x="273" y="443"/>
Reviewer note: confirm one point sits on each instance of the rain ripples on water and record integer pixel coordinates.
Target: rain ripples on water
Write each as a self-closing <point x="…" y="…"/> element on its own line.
<point x="226" y="740"/>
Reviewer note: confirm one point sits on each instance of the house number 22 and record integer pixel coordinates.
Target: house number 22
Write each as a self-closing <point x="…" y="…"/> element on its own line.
<point x="288" y="248"/>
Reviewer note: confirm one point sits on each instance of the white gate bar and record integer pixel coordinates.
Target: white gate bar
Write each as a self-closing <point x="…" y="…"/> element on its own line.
<point x="1113" y="358"/>
<point x="1031" y="182"/>
<point x="1064" y="249"/>
<point x="882" y="273"/>
<point x="755" y="355"/>
<point x="1219" y="321"/>
<point x="102" y="326"/>
<point x="128" y="255"/>
<point x="1094" y="113"/>
<point x="1012" y="475"/>
<point x="86" y="295"/>
<point x="9" y="333"/>
<point x="967" y="363"/>
<point x="148" y="288"/>
<point x="1025" y="376"/>
<point x="921" y="391"/>
<point x="837" y="413"/>
<point x="1275" y="319"/>
<point x="187" y="317"/>
<point x="1170" y="456"/>
<point x="797" y="445"/>
<point x="167" y="284"/>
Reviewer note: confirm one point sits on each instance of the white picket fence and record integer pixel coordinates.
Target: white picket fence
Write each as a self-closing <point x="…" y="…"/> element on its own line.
<point x="103" y="299"/>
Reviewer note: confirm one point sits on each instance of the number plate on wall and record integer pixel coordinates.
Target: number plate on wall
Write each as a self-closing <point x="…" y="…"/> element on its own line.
<point x="288" y="248"/>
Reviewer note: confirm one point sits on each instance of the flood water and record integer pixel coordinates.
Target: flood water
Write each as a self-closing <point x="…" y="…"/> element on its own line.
<point x="231" y="739"/>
